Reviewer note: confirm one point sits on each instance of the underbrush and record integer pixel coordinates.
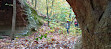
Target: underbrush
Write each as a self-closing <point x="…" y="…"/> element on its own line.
<point x="58" y="28"/>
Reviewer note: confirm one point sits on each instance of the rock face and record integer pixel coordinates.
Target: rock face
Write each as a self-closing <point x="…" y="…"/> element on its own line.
<point x="94" y="18"/>
<point x="78" y="43"/>
<point x="6" y="13"/>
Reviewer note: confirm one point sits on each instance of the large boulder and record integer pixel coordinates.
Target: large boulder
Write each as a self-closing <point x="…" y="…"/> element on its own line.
<point x="94" y="18"/>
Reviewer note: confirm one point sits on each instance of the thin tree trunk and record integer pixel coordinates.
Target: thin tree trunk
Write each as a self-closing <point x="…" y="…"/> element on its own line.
<point x="52" y="7"/>
<point x="35" y="4"/>
<point x="70" y="13"/>
<point x="47" y="11"/>
<point x="69" y="18"/>
<point x="13" y="19"/>
<point x="32" y="2"/>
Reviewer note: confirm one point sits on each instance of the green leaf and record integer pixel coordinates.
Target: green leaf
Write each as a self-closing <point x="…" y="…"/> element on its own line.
<point x="36" y="39"/>
<point x="45" y="36"/>
<point x="40" y="37"/>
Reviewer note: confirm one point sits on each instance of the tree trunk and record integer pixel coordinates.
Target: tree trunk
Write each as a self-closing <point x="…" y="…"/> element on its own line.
<point x="32" y="2"/>
<point x="13" y="19"/>
<point x="94" y="18"/>
<point x="52" y="8"/>
<point x="69" y="23"/>
<point x="47" y="11"/>
<point x="35" y="4"/>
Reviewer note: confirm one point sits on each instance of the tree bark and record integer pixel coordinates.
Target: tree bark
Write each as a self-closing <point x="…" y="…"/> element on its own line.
<point x="32" y="2"/>
<point x="94" y="18"/>
<point x="35" y="4"/>
<point x="47" y="11"/>
<point x="13" y="19"/>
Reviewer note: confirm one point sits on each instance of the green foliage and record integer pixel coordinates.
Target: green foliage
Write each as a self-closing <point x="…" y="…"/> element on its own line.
<point x="59" y="11"/>
<point x="40" y="37"/>
<point x="45" y="35"/>
<point x="37" y="39"/>
<point x="34" y="19"/>
<point x="58" y="15"/>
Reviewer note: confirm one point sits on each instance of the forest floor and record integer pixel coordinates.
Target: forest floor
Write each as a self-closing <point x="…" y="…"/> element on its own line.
<point x="53" y="41"/>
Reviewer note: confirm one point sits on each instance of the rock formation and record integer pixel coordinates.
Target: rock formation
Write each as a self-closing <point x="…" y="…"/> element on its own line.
<point x="6" y="13"/>
<point x="94" y="17"/>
